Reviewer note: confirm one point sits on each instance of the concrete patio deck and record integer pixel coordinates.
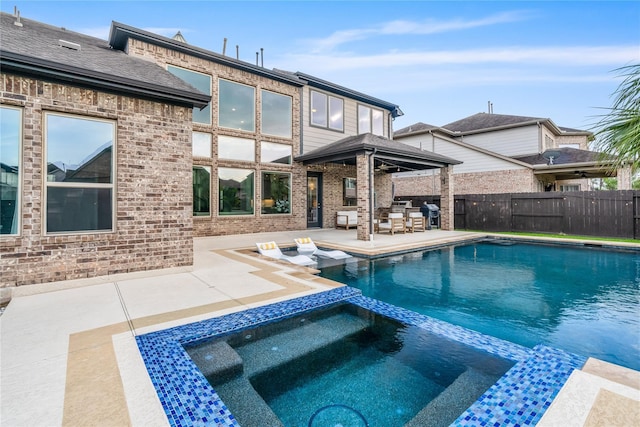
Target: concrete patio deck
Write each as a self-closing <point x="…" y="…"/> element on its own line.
<point x="68" y="351"/>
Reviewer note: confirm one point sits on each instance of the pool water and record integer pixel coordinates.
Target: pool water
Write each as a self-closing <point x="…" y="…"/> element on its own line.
<point x="582" y="300"/>
<point x="345" y="366"/>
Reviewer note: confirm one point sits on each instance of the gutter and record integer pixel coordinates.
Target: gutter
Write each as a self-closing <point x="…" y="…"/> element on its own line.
<point x="59" y="72"/>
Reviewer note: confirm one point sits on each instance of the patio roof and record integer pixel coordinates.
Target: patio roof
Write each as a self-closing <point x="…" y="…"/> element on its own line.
<point x="390" y="156"/>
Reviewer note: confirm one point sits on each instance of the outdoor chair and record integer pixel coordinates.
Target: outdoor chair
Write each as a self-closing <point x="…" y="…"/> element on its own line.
<point x="416" y="222"/>
<point x="395" y="223"/>
<point x="271" y="250"/>
<point x="306" y="245"/>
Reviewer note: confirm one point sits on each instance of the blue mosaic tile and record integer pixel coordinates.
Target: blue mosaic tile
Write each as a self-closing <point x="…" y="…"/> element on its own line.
<point x="520" y="397"/>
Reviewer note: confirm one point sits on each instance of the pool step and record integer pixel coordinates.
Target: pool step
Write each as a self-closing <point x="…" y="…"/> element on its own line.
<point x="246" y="404"/>
<point x="217" y="361"/>
<point x="269" y="352"/>
<point x="445" y="409"/>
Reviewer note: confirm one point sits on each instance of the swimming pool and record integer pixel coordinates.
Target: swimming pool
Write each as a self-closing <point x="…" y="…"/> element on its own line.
<point x="519" y="397"/>
<point x="583" y="300"/>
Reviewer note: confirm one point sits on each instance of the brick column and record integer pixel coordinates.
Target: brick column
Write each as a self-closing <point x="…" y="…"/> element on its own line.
<point x="624" y="178"/>
<point x="446" y="198"/>
<point x="363" y="193"/>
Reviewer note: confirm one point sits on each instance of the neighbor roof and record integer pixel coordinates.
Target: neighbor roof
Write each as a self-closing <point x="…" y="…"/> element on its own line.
<point x="484" y="122"/>
<point x="415" y="128"/>
<point x="33" y="48"/>
<point x="384" y="150"/>
<point x="563" y="156"/>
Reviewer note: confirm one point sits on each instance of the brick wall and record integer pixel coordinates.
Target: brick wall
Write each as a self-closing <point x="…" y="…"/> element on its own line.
<point x="506" y="181"/>
<point x="153" y="220"/>
<point x="215" y="224"/>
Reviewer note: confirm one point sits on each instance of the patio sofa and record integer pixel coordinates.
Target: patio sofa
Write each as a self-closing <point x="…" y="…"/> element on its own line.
<point x="347" y="219"/>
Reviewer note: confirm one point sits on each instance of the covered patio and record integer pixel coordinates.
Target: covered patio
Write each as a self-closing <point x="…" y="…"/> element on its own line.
<point x="376" y="158"/>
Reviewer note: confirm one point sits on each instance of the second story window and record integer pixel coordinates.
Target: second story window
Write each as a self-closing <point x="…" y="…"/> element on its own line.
<point x="200" y="81"/>
<point x="327" y="111"/>
<point x="370" y="120"/>
<point x="277" y="114"/>
<point x="236" y="106"/>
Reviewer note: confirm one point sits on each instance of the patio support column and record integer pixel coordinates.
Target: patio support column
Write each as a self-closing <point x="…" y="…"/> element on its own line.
<point x="624" y="177"/>
<point x="446" y="198"/>
<point x="363" y="194"/>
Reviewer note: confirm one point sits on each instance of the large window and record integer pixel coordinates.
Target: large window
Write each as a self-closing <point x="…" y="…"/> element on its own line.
<point x="370" y="120"/>
<point x="201" y="191"/>
<point x="275" y="153"/>
<point x="349" y="196"/>
<point x="236" y="106"/>
<point x="200" y="81"/>
<point x="235" y="191"/>
<point x="277" y="114"/>
<point x="232" y="148"/>
<point x="327" y="111"/>
<point x="80" y="170"/>
<point x="276" y="193"/>
<point x="10" y="148"/>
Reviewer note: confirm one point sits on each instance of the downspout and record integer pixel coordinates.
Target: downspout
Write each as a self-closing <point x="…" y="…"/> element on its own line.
<point x="371" y="158"/>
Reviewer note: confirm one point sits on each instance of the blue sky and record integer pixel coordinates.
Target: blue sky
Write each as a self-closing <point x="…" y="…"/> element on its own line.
<point x="440" y="61"/>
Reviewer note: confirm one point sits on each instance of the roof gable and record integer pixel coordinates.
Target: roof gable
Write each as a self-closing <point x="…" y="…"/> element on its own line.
<point x="42" y="50"/>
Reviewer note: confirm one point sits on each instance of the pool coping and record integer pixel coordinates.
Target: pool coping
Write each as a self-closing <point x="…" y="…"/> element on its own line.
<point x="520" y="397"/>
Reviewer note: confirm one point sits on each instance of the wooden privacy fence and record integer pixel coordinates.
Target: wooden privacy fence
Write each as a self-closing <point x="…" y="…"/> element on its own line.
<point x="585" y="213"/>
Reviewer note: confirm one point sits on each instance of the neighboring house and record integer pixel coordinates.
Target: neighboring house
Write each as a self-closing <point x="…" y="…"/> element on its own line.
<point x="504" y="154"/>
<point x="115" y="154"/>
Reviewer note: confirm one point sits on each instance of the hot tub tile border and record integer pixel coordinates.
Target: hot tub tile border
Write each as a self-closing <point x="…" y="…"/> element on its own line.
<point x="520" y="397"/>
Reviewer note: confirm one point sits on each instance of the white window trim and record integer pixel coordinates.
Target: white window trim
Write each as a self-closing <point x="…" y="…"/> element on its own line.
<point x="210" y="90"/>
<point x="290" y="191"/>
<point x="290" y="136"/>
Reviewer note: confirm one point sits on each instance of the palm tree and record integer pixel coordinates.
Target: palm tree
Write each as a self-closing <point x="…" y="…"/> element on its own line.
<point x="618" y="132"/>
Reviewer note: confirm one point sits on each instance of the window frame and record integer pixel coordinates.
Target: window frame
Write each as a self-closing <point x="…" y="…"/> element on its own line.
<point x="82" y="185"/>
<point x="327" y="109"/>
<point x="274" y="205"/>
<point x="370" y="122"/>
<point x="209" y="142"/>
<point x="289" y="135"/>
<point x="208" y="168"/>
<point x="252" y="201"/>
<point x="228" y="139"/>
<point x="264" y="144"/>
<point x="345" y="187"/>
<point x="253" y="106"/>
<point x="17" y="220"/>
<point x="208" y="92"/>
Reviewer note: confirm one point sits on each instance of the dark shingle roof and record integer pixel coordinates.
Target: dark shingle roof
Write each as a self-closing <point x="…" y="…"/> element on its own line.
<point x="404" y="155"/>
<point x="484" y="121"/>
<point x="415" y="128"/>
<point x="58" y="54"/>
<point x="120" y="34"/>
<point x="564" y="156"/>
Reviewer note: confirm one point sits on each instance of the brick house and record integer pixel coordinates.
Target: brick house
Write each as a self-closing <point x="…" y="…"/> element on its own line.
<point x="115" y="154"/>
<point x="505" y="154"/>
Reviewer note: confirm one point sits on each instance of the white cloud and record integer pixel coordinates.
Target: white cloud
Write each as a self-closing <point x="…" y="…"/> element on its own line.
<point x="560" y="56"/>
<point x="404" y="27"/>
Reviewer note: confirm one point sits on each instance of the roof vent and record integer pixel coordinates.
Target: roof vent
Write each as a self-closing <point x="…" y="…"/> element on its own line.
<point x="179" y="37"/>
<point x="16" y="13"/>
<point x="68" y="44"/>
